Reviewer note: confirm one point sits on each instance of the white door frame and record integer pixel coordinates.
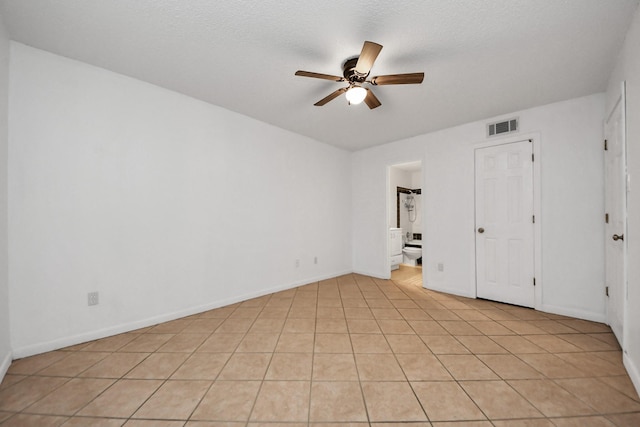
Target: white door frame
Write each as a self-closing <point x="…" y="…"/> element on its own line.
<point x="537" y="226"/>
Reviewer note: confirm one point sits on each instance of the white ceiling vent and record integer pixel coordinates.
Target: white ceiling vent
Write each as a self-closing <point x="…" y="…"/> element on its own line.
<point x="506" y="126"/>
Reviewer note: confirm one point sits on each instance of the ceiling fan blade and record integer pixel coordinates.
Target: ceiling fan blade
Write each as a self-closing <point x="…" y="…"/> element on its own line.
<point x="398" y="79"/>
<point x="371" y="100"/>
<point x="330" y="97"/>
<point x="367" y="57"/>
<point x="319" y="76"/>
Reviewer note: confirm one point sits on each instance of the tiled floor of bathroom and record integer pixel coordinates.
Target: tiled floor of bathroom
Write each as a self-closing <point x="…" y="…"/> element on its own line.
<point x="351" y="350"/>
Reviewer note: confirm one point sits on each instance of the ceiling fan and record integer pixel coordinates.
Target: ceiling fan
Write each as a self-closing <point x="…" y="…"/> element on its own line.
<point x="356" y="72"/>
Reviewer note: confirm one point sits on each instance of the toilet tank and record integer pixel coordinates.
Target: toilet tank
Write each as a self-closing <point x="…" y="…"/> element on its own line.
<point x="395" y="241"/>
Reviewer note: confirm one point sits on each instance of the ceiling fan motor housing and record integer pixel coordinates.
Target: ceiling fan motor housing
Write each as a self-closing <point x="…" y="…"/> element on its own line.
<point x="350" y="73"/>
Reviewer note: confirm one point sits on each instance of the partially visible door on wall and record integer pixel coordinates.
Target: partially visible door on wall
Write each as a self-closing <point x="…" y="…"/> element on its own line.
<point x="615" y="219"/>
<point x="504" y="223"/>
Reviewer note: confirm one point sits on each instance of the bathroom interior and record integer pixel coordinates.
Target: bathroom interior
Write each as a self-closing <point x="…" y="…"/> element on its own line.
<point x="405" y="221"/>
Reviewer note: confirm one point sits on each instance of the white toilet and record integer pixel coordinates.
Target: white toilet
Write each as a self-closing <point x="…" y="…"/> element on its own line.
<point x="412" y="254"/>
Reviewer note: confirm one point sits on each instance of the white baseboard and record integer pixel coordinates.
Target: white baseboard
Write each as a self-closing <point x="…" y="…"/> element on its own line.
<point x="572" y="312"/>
<point x="4" y="364"/>
<point x="63" y="342"/>
<point x="632" y="370"/>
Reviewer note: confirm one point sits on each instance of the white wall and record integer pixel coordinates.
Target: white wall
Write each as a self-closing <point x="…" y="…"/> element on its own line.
<point x="628" y="69"/>
<point x="5" y="343"/>
<point x="163" y="204"/>
<point x="569" y="138"/>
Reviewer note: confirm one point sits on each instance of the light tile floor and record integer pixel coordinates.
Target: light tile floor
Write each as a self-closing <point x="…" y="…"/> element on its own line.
<point x="351" y="350"/>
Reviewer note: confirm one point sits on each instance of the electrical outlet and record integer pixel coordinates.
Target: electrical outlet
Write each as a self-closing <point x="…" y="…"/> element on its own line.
<point x="93" y="298"/>
<point x="440" y="266"/>
<point x="315" y="260"/>
<point x="297" y="263"/>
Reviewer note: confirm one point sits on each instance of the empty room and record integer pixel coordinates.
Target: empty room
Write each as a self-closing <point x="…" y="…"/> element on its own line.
<point x="364" y="213"/>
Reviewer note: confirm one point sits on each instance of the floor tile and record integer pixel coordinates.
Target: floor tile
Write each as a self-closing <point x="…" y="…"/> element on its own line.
<point x="115" y="365"/>
<point x="246" y="366"/>
<point x="598" y="395"/>
<point x="406" y="344"/>
<point x="258" y="343"/>
<point x="183" y="343"/>
<point x="378" y="367"/>
<point x="295" y="343"/>
<point x="34" y="364"/>
<point x="394" y="326"/>
<point x="459" y="327"/>
<point x="282" y="401"/>
<point x="427" y="327"/>
<point x="70" y="397"/>
<point x="391" y="401"/>
<point x="73" y="364"/>
<point x="227" y="401"/>
<point x="423" y="367"/>
<point x="334" y="367"/>
<point x="446" y="401"/>
<point x="20" y="395"/>
<point x="550" y="399"/>
<point x="290" y="366"/>
<point x="201" y="366"/>
<point x="338" y="326"/>
<point x="551" y="366"/>
<point x="369" y="343"/>
<point x="22" y="420"/>
<point x="498" y="400"/>
<point x="517" y="344"/>
<point x="509" y="367"/>
<point x="596" y="421"/>
<point x="157" y="366"/>
<point x="481" y="344"/>
<point x="175" y="399"/>
<point x="332" y="343"/>
<point x="363" y="326"/>
<point x="293" y="325"/>
<point x="466" y="367"/>
<point x="122" y="399"/>
<point x="444" y="344"/>
<point x="221" y="343"/>
<point x="147" y="343"/>
<point x="337" y="402"/>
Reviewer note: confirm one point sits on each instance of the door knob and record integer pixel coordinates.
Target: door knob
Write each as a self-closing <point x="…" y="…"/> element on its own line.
<point x="480" y="230"/>
<point x="616" y="237"/>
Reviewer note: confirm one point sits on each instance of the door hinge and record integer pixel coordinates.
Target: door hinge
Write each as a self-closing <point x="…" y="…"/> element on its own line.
<point x="605" y="145"/>
<point x="606" y="218"/>
<point x="606" y="290"/>
<point x="534" y="281"/>
<point x="533" y="159"/>
<point x="533" y="218"/>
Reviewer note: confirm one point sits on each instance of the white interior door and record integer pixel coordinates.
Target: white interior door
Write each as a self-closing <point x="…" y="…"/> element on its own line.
<point x="615" y="219"/>
<point x="504" y="223"/>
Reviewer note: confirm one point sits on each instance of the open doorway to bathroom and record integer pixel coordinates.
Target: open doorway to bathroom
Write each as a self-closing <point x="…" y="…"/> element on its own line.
<point x="405" y="222"/>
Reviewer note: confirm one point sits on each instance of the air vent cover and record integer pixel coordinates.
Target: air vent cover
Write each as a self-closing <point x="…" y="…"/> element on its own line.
<point x="499" y="128"/>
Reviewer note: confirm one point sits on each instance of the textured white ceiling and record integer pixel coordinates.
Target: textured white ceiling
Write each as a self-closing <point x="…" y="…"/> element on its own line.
<point x="481" y="57"/>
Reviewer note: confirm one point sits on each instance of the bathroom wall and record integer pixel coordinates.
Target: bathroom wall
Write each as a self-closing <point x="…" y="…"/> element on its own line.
<point x="163" y="204"/>
<point x="5" y="342"/>
<point x="569" y="137"/>
<point x="398" y="178"/>
<point x="416" y="183"/>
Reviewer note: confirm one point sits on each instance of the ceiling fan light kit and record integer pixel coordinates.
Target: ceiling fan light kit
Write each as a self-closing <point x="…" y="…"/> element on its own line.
<point x="355" y="95"/>
<point x="355" y="72"/>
